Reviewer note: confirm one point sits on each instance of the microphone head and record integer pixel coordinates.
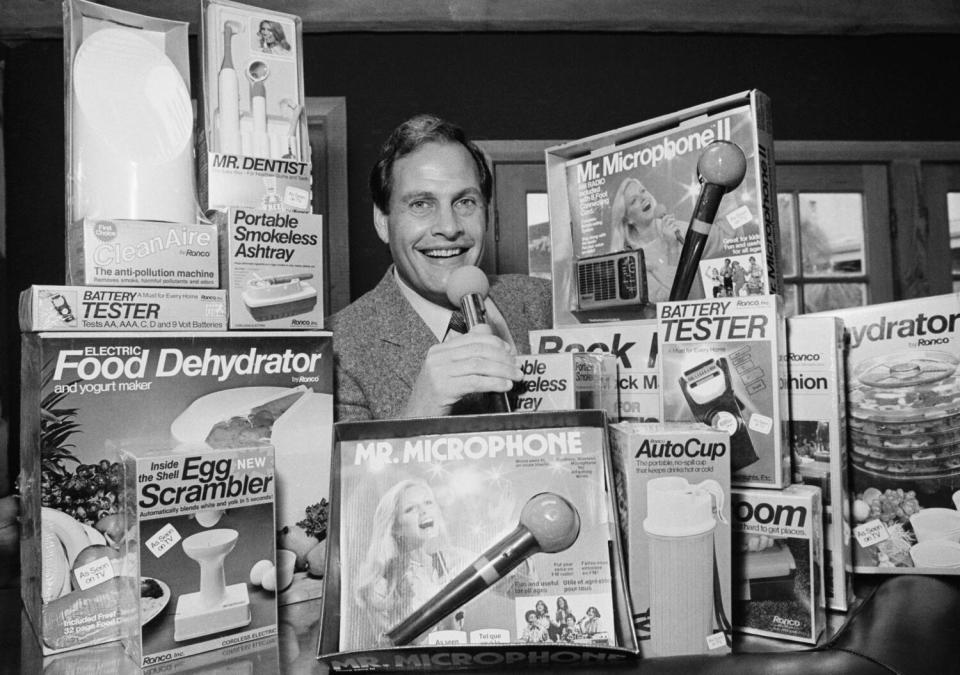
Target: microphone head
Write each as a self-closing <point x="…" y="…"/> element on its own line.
<point x="466" y="280"/>
<point x="552" y="520"/>
<point x="722" y="163"/>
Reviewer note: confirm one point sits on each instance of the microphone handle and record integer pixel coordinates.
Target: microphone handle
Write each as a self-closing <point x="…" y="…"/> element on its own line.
<point x="474" y="314"/>
<point x="485" y="571"/>
<point x="696" y="240"/>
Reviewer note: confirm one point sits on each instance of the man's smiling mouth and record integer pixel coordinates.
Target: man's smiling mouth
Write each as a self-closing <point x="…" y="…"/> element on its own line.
<point x="443" y="252"/>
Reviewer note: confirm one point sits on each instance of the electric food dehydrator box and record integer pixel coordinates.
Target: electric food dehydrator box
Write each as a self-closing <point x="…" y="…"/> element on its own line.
<point x="778" y="555"/>
<point x="130" y="156"/>
<point x="721" y="363"/>
<point x="474" y="541"/>
<point x="86" y="394"/>
<point x="255" y="130"/>
<point x="200" y="570"/>
<point x="903" y="398"/>
<point x="620" y="203"/>
<point x="673" y="491"/>
<point x="816" y="387"/>
<point x="633" y="343"/>
<point x="62" y="308"/>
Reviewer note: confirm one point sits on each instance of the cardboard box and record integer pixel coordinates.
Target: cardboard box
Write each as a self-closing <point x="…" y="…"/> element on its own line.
<point x="461" y="486"/>
<point x="778" y="551"/>
<point x="142" y="253"/>
<point x="201" y="569"/>
<point x="903" y="393"/>
<point x="592" y="182"/>
<point x="128" y="123"/>
<point x="673" y="493"/>
<point x="62" y="308"/>
<point x="720" y="363"/>
<point x="256" y="148"/>
<point x="816" y="386"/>
<point x="635" y="346"/>
<point x="569" y="381"/>
<point x="273" y="267"/>
<point x="86" y="394"/>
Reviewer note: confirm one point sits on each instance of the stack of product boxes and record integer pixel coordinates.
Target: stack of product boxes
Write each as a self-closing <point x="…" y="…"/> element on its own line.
<point x="702" y="381"/>
<point x="135" y="355"/>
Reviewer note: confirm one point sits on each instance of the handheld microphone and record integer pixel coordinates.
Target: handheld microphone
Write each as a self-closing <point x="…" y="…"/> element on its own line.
<point x="548" y="524"/>
<point x="467" y="288"/>
<point x="721" y="168"/>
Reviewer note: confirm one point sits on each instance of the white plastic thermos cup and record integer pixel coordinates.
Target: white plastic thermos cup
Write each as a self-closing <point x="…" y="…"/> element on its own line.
<point x="680" y="523"/>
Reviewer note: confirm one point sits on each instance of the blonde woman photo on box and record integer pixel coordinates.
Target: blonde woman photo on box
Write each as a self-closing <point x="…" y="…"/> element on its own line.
<point x="639" y="222"/>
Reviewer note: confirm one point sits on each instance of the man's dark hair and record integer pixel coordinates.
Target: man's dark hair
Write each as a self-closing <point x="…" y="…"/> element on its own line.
<point x="409" y="137"/>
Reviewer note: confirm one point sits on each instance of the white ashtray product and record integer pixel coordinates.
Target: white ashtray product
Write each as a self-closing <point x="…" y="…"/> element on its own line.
<point x="281" y="296"/>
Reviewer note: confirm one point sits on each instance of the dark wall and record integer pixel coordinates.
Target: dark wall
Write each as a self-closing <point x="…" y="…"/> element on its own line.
<point x="502" y="86"/>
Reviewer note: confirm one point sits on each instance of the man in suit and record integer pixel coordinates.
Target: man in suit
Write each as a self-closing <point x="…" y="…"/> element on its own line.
<point x="395" y="353"/>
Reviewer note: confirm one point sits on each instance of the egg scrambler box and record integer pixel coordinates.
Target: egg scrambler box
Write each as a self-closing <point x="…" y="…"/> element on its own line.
<point x="571" y="381"/>
<point x="778" y="563"/>
<point x="441" y="555"/>
<point x="142" y="253"/>
<point x="720" y="364"/>
<point x="818" y="440"/>
<point x="903" y="403"/>
<point x="59" y="308"/>
<point x="672" y="484"/>
<point x="273" y="269"/>
<point x="84" y="395"/>
<point x="635" y="346"/>
<point x="199" y="522"/>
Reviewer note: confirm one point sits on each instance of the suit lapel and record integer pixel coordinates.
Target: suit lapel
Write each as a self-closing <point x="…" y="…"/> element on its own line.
<point x="403" y="334"/>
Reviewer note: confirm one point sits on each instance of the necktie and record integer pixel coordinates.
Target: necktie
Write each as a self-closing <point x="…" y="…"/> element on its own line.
<point x="457" y="322"/>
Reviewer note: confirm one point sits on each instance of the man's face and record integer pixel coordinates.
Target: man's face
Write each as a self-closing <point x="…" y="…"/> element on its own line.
<point x="437" y="217"/>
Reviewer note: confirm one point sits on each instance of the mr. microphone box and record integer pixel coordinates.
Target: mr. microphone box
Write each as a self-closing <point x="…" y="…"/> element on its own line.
<point x="471" y="541"/>
<point x="720" y="364"/>
<point x="621" y="202"/>
<point x="635" y="346"/>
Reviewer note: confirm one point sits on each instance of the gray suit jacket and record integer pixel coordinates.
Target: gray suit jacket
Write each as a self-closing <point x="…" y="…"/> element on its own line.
<point x="380" y="342"/>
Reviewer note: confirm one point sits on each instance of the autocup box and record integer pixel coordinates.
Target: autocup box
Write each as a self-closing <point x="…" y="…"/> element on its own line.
<point x="818" y="439"/>
<point x="201" y="569"/>
<point x="61" y="308"/>
<point x="635" y="346"/>
<point x="621" y="201"/>
<point x="903" y="391"/>
<point x="274" y="269"/>
<point x="471" y="541"/>
<point x="778" y="556"/>
<point x="258" y="152"/>
<point x="673" y="493"/>
<point x="86" y="394"/>
<point x="720" y="364"/>
<point x="569" y="381"/>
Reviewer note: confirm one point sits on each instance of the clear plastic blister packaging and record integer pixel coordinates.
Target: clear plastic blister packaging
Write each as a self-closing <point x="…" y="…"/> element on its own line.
<point x="129" y="122"/>
<point x="254" y="117"/>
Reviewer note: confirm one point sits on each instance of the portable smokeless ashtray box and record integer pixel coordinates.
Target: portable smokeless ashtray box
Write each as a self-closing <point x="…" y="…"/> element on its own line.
<point x="203" y="550"/>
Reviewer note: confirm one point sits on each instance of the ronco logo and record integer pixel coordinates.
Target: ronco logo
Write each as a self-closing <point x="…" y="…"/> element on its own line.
<point x="802" y="357"/>
<point x="766" y="514"/>
<point x="781" y="621"/>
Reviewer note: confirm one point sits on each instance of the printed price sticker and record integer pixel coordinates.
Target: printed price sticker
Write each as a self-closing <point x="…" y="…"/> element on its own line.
<point x="870" y="533"/>
<point x="716" y="641"/>
<point x="163" y="540"/>
<point x="739" y="217"/>
<point x="761" y="423"/>
<point x="94" y="573"/>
